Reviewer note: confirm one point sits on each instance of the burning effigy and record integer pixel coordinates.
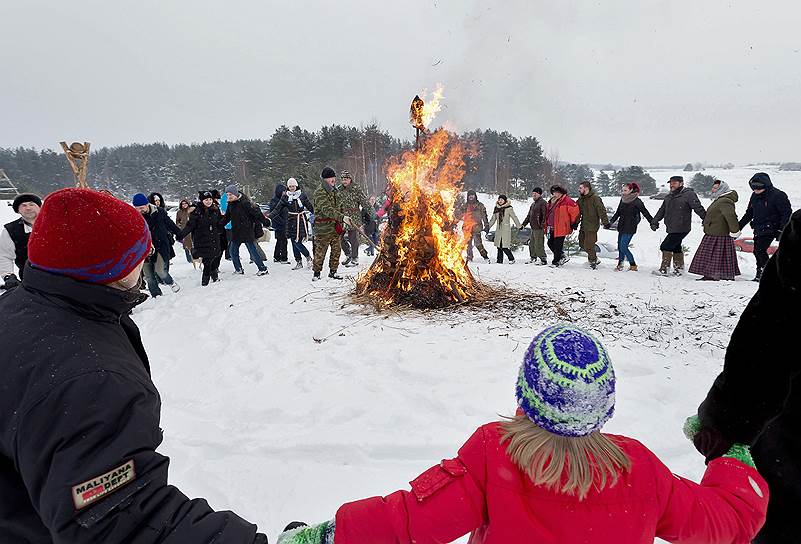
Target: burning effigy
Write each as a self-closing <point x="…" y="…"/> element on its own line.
<point x="420" y="263"/>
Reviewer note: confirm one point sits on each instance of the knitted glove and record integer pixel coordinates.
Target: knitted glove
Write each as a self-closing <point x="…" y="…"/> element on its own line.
<point x="712" y="444"/>
<point x="654" y="226"/>
<point x="322" y="533"/>
<point x="10" y="281"/>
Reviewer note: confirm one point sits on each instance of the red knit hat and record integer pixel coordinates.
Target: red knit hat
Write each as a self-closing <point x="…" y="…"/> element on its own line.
<point x="89" y="236"/>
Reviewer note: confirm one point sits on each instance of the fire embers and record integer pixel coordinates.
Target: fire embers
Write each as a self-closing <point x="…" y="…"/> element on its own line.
<point x="421" y="263"/>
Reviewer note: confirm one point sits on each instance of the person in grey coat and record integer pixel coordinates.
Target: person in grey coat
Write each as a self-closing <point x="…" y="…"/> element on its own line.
<point x="676" y="210"/>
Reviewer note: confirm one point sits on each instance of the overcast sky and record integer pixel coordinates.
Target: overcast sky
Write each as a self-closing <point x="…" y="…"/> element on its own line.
<point x="623" y="81"/>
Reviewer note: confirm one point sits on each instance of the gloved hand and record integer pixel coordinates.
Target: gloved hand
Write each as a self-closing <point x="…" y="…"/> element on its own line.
<point x="295" y="533"/>
<point x="10" y="281"/>
<point x="712" y="444"/>
<point x="608" y="226"/>
<point x="486" y="230"/>
<point x="654" y="226"/>
<point x="736" y="235"/>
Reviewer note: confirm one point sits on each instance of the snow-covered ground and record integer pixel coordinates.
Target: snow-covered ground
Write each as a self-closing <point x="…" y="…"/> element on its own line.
<point x="260" y="418"/>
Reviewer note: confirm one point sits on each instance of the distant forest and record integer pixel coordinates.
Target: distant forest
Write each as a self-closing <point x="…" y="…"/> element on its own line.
<point x="499" y="163"/>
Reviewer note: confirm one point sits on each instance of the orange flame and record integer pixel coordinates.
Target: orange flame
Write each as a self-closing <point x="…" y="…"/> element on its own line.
<point x="421" y="259"/>
<point x="423" y="112"/>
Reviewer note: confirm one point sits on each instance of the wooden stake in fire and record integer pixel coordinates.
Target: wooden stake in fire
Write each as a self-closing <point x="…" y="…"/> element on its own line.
<point x="78" y="156"/>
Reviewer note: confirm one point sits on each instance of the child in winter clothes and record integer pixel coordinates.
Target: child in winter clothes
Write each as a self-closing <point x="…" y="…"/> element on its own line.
<point x="549" y="475"/>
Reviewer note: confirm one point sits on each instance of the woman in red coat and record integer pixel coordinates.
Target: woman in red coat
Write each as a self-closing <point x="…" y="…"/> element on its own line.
<point x="511" y="481"/>
<point x="561" y="214"/>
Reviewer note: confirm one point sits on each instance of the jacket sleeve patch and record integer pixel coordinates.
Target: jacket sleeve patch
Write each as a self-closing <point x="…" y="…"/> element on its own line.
<point x="92" y="490"/>
<point x="437" y="477"/>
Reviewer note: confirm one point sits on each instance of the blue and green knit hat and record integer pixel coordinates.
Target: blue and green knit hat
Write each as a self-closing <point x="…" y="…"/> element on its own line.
<point x="566" y="384"/>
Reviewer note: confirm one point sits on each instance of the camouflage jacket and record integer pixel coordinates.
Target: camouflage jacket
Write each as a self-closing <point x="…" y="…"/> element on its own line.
<point x="352" y="199"/>
<point x="327" y="209"/>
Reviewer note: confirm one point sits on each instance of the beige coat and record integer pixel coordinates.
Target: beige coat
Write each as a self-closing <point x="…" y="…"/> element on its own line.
<point x="503" y="233"/>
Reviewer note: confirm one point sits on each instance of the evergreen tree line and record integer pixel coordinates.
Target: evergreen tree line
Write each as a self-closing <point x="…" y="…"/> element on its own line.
<point x="497" y="162"/>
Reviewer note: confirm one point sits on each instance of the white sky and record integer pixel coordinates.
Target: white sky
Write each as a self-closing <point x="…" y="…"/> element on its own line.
<point x="623" y="81"/>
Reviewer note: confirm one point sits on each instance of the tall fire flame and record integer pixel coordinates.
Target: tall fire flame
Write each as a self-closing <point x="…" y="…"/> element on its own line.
<point x="421" y="263"/>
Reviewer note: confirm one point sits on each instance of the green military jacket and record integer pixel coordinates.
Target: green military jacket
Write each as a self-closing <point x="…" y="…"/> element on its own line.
<point x="327" y="209"/>
<point x="593" y="212"/>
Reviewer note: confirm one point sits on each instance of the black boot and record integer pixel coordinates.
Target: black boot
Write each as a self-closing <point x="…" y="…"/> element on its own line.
<point x="205" y="280"/>
<point x="316" y="276"/>
<point x="333" y="275"/>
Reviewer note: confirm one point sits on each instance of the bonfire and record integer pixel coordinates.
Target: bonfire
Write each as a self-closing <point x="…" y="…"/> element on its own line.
<point x="420" y="263"/>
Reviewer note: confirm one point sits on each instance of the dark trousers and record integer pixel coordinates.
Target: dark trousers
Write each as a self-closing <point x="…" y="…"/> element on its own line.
<point x="211" y="267"/>
<point x="280" y="255"/>
<point x="155" y="271"/>
<point x="508" y="252"/>
<point x="672" y="242"/>
<point x="349" y="241"/>
<point x="761" y="245"/>
<point x="557" y="246"/>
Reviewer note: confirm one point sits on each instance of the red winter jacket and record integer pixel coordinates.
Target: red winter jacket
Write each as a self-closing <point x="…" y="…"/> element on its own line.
<point x="561" y="215"/>
<point x="482" y="491"/>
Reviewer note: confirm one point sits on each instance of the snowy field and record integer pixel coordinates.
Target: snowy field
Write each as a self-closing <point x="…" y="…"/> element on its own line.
<point x="260" y="418"/>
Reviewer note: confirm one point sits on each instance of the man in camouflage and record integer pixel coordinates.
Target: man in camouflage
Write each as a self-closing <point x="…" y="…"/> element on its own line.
<point x="353" y="201"/>
<point x="328" y="215"/>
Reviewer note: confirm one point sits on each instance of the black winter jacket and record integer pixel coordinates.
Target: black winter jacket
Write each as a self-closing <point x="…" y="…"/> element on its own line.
<point x="629" y="214"/>
<point x="79" y="426"/>
<point x="677" y="210"/>
<point x="207" y="227"/>
<point x="767" y="213"/>
<point x="280" y="219"/>
<point x="244" y="216"/>
<point x="536" y="215"/>
<point x="757" y="398"/>
<point x="161" y="226"/>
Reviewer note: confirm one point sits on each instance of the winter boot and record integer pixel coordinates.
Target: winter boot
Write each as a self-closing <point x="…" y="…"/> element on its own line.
<point x="667" y="256"/>
<point x="619" y="266"/>
<point x="594" y="264"/>
<point x="316" y="276"/>
<point x="298" y="266"/>
<point x="240" y="272"/>
<point x="175" y="287"/>
<point x="633" y="268"/>
<point x="346" y="262"/>
<point x="205" y="281"/>
<point x="215" y="276"/>
<point x="678" y="264"/>
<point x="541" y="262"/>
<point x="333" y="275"/>
<point x="262" y="272"/>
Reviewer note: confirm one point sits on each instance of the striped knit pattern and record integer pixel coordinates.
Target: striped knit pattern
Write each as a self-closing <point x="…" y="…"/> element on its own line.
<point x="566" y="383"/>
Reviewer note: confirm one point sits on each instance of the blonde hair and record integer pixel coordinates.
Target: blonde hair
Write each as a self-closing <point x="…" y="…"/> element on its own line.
<point x="548" y="459"/>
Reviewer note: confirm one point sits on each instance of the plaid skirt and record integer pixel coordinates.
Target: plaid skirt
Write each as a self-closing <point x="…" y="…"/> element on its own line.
<point x="716" y="258"/>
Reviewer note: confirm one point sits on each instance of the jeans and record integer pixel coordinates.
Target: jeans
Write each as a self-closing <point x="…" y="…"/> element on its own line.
<point x="672" y="242"/>
<point x="188" y="255"/>
<point x="160" y="268"/>
<point x="623" y="251"/>
<point x="254" y="255"/>
<point x="299" y="249"/>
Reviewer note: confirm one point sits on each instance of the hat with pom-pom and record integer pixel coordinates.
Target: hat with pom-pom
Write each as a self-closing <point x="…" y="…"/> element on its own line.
<point x="566" y="384"/>
<point x="89" y="236"/>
